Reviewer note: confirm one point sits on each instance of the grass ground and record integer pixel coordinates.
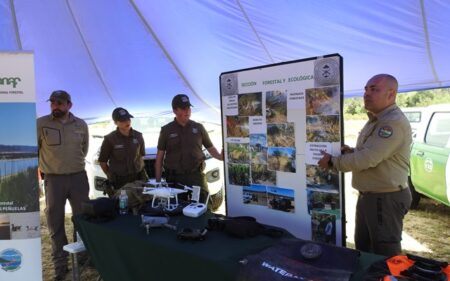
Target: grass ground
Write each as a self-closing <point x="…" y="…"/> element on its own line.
<point x="430" y="225"/>
<point x="47" y="266"/>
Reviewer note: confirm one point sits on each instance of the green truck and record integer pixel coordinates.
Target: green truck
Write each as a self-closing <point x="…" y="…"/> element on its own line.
<point x="430" y="153"/>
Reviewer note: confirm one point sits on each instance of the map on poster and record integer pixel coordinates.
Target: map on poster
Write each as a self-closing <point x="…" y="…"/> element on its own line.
<point x="277" y="120"/>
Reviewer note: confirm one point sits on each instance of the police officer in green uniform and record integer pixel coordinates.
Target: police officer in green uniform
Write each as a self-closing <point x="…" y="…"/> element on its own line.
<point x="380" y="166"/>
<point x="180" y="146"/>
<point x="122" y="152"/>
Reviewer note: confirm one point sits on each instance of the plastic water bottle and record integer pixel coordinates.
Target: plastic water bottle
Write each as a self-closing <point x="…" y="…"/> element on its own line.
<point x="123" y="202"/>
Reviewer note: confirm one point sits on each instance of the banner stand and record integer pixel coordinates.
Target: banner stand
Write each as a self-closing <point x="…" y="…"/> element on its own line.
<point x="20" y="238"/>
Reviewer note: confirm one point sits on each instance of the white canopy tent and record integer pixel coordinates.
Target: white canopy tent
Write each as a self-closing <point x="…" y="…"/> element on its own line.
<point x="139" y="53"/>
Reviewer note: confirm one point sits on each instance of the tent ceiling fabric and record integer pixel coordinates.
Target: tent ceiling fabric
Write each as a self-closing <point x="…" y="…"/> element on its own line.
<point x="139" y="53"/>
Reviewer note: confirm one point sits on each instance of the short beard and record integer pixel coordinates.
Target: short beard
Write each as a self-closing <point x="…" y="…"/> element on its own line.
<point x="58" y="113"/>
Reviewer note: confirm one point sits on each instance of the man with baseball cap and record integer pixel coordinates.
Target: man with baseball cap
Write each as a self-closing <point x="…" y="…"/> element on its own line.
<point x="180" y="146"/>
<point x="59" y="96"/>
<point x="63" y="141"/>
<point x="122" y="152"/>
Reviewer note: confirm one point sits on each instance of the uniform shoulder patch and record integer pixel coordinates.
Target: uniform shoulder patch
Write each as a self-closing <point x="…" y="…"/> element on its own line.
<point x="385" y="132"/>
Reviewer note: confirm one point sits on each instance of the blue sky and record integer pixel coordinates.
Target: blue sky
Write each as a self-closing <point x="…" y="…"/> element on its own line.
<point x="281" y="191"/>
<point x="18" y="124"/>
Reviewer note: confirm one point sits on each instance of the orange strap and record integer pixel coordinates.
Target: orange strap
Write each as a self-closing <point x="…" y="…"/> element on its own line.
<point x="397" y="264"/>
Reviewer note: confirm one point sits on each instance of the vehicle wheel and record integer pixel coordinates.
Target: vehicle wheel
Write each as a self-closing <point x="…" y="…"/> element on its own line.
<point x="216" y="200"/>
<point x="415" y="195"/>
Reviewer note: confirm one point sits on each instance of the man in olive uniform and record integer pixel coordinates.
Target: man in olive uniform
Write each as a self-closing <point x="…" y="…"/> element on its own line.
<point x="380" y="165"/>
<point x="122" y="151"/>
<point x="180" y="145"/>
<point x="63" y="141"/>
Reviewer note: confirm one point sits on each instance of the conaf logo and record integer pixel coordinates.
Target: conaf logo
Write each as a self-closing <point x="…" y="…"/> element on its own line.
<point x="9" y="81"/>
<point x="326" y="71"/>
<point x="428" y="165"/>
<point x="10" y="259"/>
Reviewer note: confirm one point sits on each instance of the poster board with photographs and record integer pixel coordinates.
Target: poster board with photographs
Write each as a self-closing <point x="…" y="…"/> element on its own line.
<point x="276" y="120"/>
<point x="20" y="232"/>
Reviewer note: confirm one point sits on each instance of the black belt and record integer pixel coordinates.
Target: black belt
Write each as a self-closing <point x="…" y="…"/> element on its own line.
<point x="182" y="172"/>
<point x="69" y="174"/>
<point x="401" y="188"/>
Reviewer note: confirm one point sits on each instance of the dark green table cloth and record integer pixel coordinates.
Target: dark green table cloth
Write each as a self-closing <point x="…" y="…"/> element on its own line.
<point x="122" y="250"/>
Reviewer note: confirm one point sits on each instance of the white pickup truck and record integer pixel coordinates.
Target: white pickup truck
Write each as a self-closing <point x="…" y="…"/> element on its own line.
<point x="430" y="153"/>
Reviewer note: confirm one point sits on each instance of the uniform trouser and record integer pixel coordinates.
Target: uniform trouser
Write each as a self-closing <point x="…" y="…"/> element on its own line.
<point x="58" y="188"/>
<point x="195" y="178"/>
<point x="379" y="221"/>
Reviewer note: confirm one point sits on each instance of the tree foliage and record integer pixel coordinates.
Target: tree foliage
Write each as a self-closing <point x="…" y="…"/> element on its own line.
<point x="354" y="107"/>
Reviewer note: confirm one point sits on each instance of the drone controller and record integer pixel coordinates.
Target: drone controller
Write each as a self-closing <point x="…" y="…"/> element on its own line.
<point x="196" y="208"/>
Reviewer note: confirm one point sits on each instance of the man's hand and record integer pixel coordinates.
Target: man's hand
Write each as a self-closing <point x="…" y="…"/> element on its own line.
<point x="324" y="162"/>
<point x="347" y="149"/>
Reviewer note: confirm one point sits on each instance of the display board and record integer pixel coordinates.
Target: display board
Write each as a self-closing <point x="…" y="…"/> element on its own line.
<point x="276" y="120"/>
<point x="20" y="238"/>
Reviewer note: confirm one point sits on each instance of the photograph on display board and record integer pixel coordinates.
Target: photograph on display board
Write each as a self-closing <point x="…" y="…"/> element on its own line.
<point x="254" y="195"/>
<point x="24" y="225"/>
<point x="322" y="101"/>
<point x="19" y="187"/>
<point x="323" y="228"/>
<point x="281" y="199"/>
<point x="281" y="159"/>
<point x="239" y="174"/>
<point x="326" y="179"/>
<point x="5" y="227"/>
<point x="237" y="126"/>
<point x="238" y="153"/>
<point x="276" y="107"/>
<point x="261" y="175"/>
<point x="250" y="104"/>
<point x="258" y="148"/>
<point x="281" y="135"/>
<point x="323" y="202"/>
<point x="323" y="128"/>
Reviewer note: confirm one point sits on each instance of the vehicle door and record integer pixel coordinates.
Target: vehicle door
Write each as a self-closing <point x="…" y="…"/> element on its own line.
<point x="430" y="164"/>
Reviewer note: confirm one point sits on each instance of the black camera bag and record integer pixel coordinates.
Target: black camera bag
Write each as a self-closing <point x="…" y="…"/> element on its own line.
<point x="99" y="210"/>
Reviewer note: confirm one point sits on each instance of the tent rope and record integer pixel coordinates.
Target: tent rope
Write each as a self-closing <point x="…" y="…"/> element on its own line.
<point x="91" y="57"/>
<point x="427" y="42"/>
<point x="169" y="57"/>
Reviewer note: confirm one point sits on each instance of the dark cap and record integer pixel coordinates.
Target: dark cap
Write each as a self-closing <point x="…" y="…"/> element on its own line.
<point x="121" y="114"/>
<point x="60" y="95"/>
<point x="181" y="101"/>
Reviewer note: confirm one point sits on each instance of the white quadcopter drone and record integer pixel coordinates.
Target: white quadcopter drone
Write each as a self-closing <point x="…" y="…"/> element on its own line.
<point x="162" y="195"/>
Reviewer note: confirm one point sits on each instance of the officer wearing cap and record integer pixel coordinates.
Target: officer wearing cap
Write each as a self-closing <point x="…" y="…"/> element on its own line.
<point x="380" y="166"/>
<point x="122" y="151"/>
<point x="63" y="141"/>
<point x="180" y="145"/>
